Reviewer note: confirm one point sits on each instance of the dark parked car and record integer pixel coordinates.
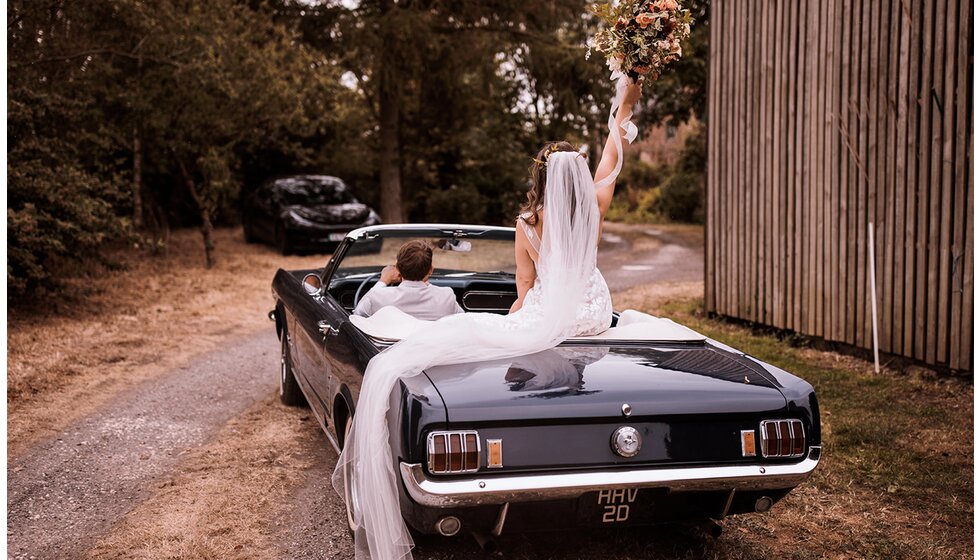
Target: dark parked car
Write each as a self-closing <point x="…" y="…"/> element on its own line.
<point x="303" y="213"/>
<point x="645" y="423"/>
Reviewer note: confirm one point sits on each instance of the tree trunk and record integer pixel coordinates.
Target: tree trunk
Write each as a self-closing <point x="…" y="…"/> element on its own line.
<point x="390" y="154"/>
<point x="207" y="229"/>
<point x="137" y="180"/>
<point x="389" y="99"/>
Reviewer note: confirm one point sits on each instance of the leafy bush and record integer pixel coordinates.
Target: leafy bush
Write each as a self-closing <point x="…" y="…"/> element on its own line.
<point x="651" y="194"/>
<point x="458" y="205"/>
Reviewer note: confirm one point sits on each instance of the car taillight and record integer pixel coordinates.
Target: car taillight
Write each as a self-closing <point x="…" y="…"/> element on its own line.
<point x="782" y="438"/>
<point x="454" y="452"/>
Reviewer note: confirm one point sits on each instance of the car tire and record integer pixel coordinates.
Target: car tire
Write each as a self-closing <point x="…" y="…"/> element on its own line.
<point x="289" y="391"/>
<point x="349" y="495"/>
<point x="282" y="242"/>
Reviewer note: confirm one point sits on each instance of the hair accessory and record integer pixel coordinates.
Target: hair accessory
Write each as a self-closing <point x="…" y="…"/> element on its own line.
<point x="551" y="149"/>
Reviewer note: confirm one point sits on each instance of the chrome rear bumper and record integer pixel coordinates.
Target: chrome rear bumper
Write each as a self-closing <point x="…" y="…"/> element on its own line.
<point x="451" y="492"/>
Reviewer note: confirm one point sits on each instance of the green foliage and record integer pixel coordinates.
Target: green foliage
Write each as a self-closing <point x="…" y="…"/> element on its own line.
<point x="681" y="195"/>
<point x="456" y="205"/>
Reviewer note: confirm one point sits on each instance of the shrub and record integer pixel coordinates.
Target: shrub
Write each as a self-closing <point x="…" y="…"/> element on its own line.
<point x="458" y="205"/>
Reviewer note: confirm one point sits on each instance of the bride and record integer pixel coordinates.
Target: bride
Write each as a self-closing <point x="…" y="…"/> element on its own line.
<point x="560" y="294"/>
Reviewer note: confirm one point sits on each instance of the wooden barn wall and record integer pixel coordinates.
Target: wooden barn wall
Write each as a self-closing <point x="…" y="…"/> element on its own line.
<point x="824" y="115"/>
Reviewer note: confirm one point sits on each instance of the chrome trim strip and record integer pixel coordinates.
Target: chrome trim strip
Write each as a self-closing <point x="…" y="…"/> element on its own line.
<point x="497" y="489"/>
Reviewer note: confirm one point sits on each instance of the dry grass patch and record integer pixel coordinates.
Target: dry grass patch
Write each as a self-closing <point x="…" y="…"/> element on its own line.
<point x="219" y="501"/>
<point x="103" y="333"/>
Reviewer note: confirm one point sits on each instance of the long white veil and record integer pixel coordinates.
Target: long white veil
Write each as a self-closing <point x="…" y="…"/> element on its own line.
<point x="567" y="258"/>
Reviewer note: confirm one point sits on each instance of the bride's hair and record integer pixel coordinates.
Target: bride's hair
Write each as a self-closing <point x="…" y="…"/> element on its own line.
<point x="539" y="178"/>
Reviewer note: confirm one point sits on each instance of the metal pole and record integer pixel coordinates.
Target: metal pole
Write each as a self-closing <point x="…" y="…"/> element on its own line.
<point x="874" y="297"/>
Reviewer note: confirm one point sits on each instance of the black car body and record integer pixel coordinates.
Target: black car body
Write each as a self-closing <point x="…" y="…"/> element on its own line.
<point x="722" y="432"/>
<point x="303" y="213"/>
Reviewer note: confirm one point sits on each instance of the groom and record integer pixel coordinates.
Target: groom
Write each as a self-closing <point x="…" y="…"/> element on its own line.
<point x="414" y="295"/>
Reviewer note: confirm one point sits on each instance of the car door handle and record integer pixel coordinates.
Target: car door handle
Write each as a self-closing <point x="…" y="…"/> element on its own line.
<point x="328" y="329"/>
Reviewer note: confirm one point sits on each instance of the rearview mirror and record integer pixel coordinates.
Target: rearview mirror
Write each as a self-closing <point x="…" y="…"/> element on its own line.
<point x="456" y="245"/>
<point x="312" y="283"/>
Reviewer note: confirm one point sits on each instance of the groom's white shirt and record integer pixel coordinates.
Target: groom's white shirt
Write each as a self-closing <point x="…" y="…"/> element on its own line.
<point x="419" y="299"/>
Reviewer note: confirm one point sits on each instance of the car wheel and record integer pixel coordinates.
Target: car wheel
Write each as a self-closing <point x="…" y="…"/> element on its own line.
<point x="350" y="495"/>
<point x="282" y="242"/>
<point x="289" y="391"/>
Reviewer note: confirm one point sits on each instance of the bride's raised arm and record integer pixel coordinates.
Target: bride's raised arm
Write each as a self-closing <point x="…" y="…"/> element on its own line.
<point x="607" y="163"/>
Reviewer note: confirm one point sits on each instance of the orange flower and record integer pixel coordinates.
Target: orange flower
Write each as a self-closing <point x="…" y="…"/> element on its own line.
<point x="645" y="19"/>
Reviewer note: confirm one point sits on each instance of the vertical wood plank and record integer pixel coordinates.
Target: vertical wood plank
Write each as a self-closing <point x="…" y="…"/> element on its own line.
<point x="843" y="162"/>
<point x="881" y="184"/>
<point x="797" y="209"/>
<point x="945" y="219"/>
<point x="886" y="327"/>
<point x="912" y="169"/>
<point x="731" y="142"/>
<point x="922" y="197"/>
<point x="778" y="202"/>
<point x="935" y="176"/>
<point x="855" y="175"/>
<point x="901" y="183"/>
<point x="966" y="350"/>
<point x="806" y="208"/>
<point x="816" y="154"/>
<point x="710" y="274"/>
<point x="861" y="266"/>
<point x="963" y="94"/>
<point x="738" y="186"/>
<point x="752" y="209"/>
<point x="792" y="174"/>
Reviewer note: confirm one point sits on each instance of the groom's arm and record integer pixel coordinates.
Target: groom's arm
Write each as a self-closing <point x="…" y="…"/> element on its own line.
<point x="608" y="161"/>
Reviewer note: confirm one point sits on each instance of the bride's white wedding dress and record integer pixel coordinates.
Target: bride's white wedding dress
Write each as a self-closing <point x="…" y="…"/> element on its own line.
<point x="569" y="297"/>
<point x="595" y="306"/>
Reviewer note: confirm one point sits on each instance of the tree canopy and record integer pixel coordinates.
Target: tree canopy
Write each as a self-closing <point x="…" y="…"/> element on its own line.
<point x="127" y="118"/>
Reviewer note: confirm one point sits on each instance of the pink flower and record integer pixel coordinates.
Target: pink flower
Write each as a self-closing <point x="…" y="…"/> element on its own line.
<point x="645" y="19"/>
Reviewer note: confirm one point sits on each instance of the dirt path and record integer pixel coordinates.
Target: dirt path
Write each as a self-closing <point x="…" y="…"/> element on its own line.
<point x="69" y="489"/>
<point x="632" y="255"/>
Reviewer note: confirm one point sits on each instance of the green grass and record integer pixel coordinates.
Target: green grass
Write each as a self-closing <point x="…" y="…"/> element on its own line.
<point x="901" y="442"/>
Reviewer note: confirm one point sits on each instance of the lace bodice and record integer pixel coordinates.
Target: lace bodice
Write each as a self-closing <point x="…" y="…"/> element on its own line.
<point x="595" y="310"/>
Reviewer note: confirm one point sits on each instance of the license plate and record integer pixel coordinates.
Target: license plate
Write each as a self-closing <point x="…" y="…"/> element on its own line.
<point x="336" y="236"/>
<point x="616" y="506"/>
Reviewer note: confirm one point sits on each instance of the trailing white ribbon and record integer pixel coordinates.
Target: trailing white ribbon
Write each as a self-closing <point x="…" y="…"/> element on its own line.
<point x="622" y="82"/>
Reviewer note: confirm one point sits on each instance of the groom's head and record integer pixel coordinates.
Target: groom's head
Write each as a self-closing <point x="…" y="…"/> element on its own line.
<point x="414" y="261"/>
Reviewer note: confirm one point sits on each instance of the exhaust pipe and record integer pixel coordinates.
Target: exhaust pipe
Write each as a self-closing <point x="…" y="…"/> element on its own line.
<point x="486" y="542"/>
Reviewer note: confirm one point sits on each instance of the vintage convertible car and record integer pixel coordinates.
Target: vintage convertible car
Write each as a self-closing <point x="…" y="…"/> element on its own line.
<point x="647" y="422"/>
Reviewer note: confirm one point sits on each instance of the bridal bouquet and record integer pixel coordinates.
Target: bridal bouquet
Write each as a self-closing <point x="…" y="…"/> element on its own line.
<point x="642" y="36"/>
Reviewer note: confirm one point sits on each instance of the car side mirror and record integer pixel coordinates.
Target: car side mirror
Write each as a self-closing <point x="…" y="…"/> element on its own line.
<point x="312" y="283"/>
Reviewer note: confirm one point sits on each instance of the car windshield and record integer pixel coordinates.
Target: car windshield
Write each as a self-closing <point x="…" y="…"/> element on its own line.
<point x="450" y="257"/>
<point x="306" y="192"/>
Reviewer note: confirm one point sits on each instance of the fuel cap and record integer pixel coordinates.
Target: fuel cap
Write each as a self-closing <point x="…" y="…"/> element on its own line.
<point x="626" y="441"/>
